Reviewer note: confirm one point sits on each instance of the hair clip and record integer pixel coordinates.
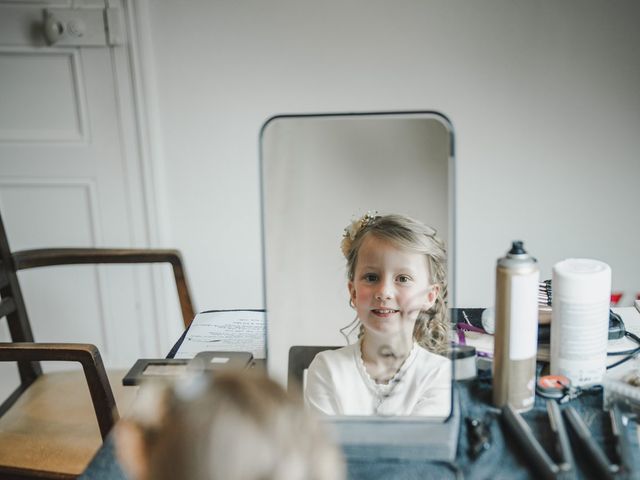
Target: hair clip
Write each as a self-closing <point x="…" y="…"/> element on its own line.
<point x="352" y="230"/>
<point x="358" y="224"/>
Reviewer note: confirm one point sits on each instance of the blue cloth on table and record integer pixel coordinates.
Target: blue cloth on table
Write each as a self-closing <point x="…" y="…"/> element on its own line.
<point x="504" y="460"/>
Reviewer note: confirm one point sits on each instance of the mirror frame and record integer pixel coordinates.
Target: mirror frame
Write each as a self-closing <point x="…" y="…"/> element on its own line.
<point x="451" y="197"/>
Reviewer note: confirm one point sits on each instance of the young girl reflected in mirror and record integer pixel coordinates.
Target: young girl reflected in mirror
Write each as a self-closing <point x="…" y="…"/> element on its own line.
<point x="397" y="283"/>
<point x="234" y="425"/>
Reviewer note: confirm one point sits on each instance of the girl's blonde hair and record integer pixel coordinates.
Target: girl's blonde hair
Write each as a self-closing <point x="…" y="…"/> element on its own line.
<point x="236" y="425"/>
<point x="432" y="327"/>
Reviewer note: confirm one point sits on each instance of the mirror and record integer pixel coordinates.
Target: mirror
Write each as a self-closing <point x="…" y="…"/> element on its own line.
<point x="319" y="172"/>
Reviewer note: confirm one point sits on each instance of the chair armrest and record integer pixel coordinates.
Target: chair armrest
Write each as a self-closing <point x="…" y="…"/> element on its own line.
<point x="88" y="356"/>
<point x="46" y="257"/>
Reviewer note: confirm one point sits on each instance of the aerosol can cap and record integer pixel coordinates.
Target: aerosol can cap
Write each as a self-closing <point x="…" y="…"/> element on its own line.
<point x="517" y="257"/>
<point x="517" y="248"/>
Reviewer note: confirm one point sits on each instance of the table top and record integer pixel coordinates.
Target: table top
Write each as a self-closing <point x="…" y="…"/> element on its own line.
<point x="504" y="459"/>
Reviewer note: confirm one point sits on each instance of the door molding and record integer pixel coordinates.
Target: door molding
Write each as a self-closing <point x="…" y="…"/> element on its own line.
<point x="136" y="15"/>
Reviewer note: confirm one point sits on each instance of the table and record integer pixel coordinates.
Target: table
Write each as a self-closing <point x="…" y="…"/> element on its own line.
<point x="504" y="459"/>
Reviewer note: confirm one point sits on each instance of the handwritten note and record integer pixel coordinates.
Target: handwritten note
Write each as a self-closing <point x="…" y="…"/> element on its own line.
<point x="229" y="330"/>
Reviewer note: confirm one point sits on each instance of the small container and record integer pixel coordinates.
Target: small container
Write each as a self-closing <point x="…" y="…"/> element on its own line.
<point x="464" y="362"/>
<point x="553" y="386"/>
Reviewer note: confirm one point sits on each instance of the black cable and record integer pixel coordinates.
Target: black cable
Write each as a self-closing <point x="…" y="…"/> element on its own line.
<point x="623" y="352"/>
<point x="625" y="359"/>
<point x="633" y="337"/>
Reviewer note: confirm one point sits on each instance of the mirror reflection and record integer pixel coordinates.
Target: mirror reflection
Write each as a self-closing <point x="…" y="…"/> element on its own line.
<point x="371" y="297"/>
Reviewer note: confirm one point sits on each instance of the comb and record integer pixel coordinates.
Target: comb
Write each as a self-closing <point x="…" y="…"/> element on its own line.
<point x="544" y="293"/>
<point x="544" y="302"/>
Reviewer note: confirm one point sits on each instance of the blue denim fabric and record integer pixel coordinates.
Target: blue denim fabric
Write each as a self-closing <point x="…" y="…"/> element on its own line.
<point x="104" y="465"/>
<point x="503" y="460"/>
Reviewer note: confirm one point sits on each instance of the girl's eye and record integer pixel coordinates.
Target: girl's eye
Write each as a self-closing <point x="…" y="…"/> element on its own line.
<point x="370" y="277"/>
<point x="404" y="278"/>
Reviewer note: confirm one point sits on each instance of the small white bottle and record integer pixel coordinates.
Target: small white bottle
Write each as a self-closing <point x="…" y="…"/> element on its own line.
<point x="581" y="295"/>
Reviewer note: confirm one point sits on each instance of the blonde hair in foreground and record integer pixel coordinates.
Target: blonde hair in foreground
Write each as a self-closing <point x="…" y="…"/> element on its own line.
<point x="431" y="330"/>
<point x="238" y="425"/>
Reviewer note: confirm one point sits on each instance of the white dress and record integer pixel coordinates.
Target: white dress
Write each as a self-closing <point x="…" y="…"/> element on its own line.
<point x="338" y="384"/>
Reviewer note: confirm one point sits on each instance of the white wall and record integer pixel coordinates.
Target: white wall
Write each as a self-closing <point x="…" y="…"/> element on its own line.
<point x="543" y="96"/>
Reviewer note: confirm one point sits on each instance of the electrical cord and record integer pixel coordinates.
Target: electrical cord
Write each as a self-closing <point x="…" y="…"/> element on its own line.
<point x="633" y="337"/>
<point x="625" y="359"/>
<point x="630" y="354"/>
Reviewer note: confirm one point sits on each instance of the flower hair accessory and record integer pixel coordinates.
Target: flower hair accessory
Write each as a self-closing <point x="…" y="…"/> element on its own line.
<point x="352" y="230"/>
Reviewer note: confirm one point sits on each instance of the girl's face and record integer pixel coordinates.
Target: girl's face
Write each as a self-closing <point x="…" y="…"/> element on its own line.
<point x="389" y="288"/>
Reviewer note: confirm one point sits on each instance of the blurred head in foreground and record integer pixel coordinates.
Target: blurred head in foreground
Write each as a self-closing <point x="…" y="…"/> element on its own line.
<point x="236" y="425"/>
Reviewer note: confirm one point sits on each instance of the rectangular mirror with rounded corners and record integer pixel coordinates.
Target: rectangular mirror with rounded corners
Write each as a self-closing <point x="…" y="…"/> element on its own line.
<point x="318" y="173"/>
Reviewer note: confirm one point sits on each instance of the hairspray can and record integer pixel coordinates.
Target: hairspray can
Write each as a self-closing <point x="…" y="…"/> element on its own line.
<point x="516" y="329"/>
<point x="580" y="320"/>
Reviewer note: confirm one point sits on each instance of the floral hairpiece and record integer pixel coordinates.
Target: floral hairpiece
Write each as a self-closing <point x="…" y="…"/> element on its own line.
<point x="352" y="230"/>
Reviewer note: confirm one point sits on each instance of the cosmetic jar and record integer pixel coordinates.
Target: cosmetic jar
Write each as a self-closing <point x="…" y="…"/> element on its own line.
<point x="464" y="361"/>
<point x="580" y="320"/>
<point x="553" y="386"/>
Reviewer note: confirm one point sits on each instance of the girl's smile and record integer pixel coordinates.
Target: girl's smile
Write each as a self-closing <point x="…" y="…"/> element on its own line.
<point x="384" y="312"/>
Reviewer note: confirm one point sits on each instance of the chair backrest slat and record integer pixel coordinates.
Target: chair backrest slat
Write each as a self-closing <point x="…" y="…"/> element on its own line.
<point x="7" y="306"/>
<point x="13" y="308"/>
<point x="4" y="281"/>
<point x="300" y="357"/>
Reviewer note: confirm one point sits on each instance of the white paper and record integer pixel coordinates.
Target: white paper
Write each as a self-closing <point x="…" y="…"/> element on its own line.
<point x="225" y="331"/>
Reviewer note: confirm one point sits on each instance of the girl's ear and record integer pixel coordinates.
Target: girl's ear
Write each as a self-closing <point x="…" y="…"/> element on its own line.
<point x="432" y="295"/>
<point x="352" y="292"/>
<point x="131" y="449"/>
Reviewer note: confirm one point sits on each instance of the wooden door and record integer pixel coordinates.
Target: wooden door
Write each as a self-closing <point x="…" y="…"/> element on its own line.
<point x="71" y="175"/>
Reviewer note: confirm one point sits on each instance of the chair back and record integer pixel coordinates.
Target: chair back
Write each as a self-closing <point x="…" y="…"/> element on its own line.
<point x="13" y="308"/>
<point x="59" y="441"/>
<point x="300" y="357"/>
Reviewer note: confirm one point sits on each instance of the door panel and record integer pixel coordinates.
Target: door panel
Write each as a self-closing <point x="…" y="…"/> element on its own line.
<point x="42" y="97"/>
<point x="70" y="176"/>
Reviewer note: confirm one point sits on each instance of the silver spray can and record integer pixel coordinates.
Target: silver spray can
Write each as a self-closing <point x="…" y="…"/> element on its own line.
<point x="516" y="329"/>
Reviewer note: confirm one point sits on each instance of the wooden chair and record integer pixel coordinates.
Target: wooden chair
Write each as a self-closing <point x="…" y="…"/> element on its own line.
<point x="300" y="357"/>
<point x="53" y="423"/>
